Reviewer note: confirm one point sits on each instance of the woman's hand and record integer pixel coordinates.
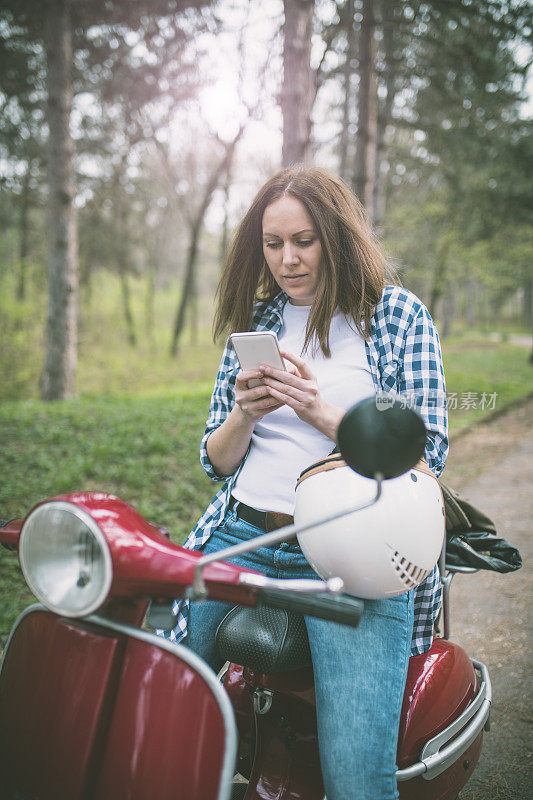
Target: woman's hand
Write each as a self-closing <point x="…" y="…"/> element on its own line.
<point x="256" y="402"/>
<point x="299" y="390"/>
<point x="228" y="444"/>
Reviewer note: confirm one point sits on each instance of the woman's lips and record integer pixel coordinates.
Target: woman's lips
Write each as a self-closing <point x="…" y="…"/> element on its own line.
<point x="294" y="278"/>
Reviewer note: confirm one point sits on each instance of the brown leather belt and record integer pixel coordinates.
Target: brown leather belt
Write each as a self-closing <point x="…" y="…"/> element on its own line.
<point x="266" y="520"/>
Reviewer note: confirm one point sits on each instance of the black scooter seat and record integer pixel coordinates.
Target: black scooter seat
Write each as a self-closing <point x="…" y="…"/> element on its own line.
<point x="264" y="639"/>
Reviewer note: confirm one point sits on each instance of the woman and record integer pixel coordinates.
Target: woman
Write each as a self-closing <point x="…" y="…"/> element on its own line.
<point x="304" y="264"/>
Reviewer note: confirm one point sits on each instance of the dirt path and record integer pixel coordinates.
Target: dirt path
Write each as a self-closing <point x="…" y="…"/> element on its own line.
<point x="493" y="467"/>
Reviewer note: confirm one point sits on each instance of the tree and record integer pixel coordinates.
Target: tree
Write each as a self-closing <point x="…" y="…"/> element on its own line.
<point x="346" y="19"/>
<point x="365" y="153"/>
<point x="58" y="378"/>
<point x="67" y="23"/>
<point x="22" y="138"/>
<point x="297" y="95"/>
<point x="188" y="294"/>
<point x="388" y="70"/>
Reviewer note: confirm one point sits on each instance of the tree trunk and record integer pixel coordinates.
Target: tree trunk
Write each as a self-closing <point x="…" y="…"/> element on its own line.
<point x="126" y="307"/>
<point x="188" y="284"/>
<point x="439" y="279"/>
<point x="23" y="233"/>
<point x="384" y="117"/>
<point x="471" y="297"/>
<point x="196" y="227"/>
<point x="448" y="310"/>
<point x="224" y="239"/>
<point x="149" y="305"/>
<point x="297" y="92"/>
<point x="58" y="379"/>
<point x="193" y="310"/>
<point x="347" y="100"/>
<point x="527" y="302"/>
<point x="365" y="153"/>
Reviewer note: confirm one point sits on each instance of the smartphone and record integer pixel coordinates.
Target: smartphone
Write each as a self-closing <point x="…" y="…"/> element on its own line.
<point x="255" y="348"/>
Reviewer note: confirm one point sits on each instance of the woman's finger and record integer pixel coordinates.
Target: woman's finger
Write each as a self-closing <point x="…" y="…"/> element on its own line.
<point x="269" y="404"/>
<point x="259" y="408"/>
<point x="283" y="376"/>
<point x="299" y="363"/>
<point x="292" y="370"/>
<point x="247" y="375"/>
<point x="286" y="399"/>
<point x="293" y="392"/>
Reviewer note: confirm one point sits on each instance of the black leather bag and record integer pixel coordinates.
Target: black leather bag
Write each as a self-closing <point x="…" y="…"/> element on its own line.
<point x="471" y="537"/>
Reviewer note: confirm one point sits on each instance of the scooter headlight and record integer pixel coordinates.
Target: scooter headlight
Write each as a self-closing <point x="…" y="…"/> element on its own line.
<point x="65" y="559"/>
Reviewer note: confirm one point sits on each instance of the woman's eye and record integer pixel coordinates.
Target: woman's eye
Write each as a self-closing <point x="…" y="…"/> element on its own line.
<point x="299" y="243"/>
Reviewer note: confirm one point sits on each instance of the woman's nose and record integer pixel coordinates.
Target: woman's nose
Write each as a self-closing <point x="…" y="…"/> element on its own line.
<point x="290" y="255"/>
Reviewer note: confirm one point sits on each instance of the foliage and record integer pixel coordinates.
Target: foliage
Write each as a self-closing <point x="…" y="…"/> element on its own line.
<point x="20" y="360"/>
<point x="482" y="271"/>
<point x="142" y="449"/>
<point x="107" y="364"/>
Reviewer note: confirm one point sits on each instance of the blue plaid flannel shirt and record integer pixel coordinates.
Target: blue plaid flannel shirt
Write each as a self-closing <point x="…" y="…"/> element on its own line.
<point x="404" y="356"/>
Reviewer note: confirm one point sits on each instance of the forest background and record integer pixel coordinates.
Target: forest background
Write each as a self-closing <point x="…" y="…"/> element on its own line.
<point x="133" y="135"/>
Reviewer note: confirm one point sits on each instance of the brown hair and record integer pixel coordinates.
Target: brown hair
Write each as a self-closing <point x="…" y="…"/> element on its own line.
<point x="353" y="274"/>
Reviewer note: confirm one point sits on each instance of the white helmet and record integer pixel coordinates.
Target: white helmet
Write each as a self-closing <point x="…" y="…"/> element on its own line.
<point x="383" y="550"/>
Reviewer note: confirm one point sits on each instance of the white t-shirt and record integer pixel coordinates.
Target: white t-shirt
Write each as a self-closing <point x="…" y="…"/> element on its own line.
<point x="282" y="445"/>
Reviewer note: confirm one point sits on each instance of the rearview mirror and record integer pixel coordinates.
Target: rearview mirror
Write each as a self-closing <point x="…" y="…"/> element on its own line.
<point x="381" y="438"/>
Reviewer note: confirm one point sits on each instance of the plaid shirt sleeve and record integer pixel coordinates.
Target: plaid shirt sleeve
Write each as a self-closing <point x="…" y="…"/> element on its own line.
<point x="422" y="383"/>
<point x="222" y="401"/>
<point x="410" y="364"/>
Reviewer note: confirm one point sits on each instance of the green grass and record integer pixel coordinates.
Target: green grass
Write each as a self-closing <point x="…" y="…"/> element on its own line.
<point x="478" y="367"/>
<point x="145" y="450"/>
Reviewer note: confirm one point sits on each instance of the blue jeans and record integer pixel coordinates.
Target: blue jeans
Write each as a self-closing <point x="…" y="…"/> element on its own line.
<point x="359" y="672"/>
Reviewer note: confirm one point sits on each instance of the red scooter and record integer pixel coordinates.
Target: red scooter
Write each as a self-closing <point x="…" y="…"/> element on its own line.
<point x="93" y="706"/>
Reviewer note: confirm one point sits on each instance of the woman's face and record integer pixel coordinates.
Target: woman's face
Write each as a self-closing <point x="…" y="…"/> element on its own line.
<point x="292" y="249"/>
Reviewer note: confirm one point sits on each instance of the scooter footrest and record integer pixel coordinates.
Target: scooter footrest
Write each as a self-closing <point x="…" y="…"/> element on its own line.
<point x="264" y="639"/>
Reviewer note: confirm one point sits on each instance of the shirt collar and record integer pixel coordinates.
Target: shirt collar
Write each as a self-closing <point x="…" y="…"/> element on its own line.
<point x="278" y="304"/>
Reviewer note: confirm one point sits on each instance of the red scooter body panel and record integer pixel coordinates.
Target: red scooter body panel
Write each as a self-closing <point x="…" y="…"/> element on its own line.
<point x="167" y="735"/>
<point x="89" y="713"/>
<point x="440" y="684"/>
<point x="56" y="691"/>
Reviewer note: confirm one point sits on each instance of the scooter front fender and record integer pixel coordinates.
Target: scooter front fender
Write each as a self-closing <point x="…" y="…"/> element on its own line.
<point x="94" y="709"/>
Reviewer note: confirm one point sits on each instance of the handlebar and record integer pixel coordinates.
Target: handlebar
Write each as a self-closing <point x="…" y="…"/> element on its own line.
<point x="316" y="598"/>
<point x="333" y="608"/>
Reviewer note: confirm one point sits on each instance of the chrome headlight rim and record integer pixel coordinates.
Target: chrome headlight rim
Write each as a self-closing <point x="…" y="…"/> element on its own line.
<point x="85" y="518"/>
